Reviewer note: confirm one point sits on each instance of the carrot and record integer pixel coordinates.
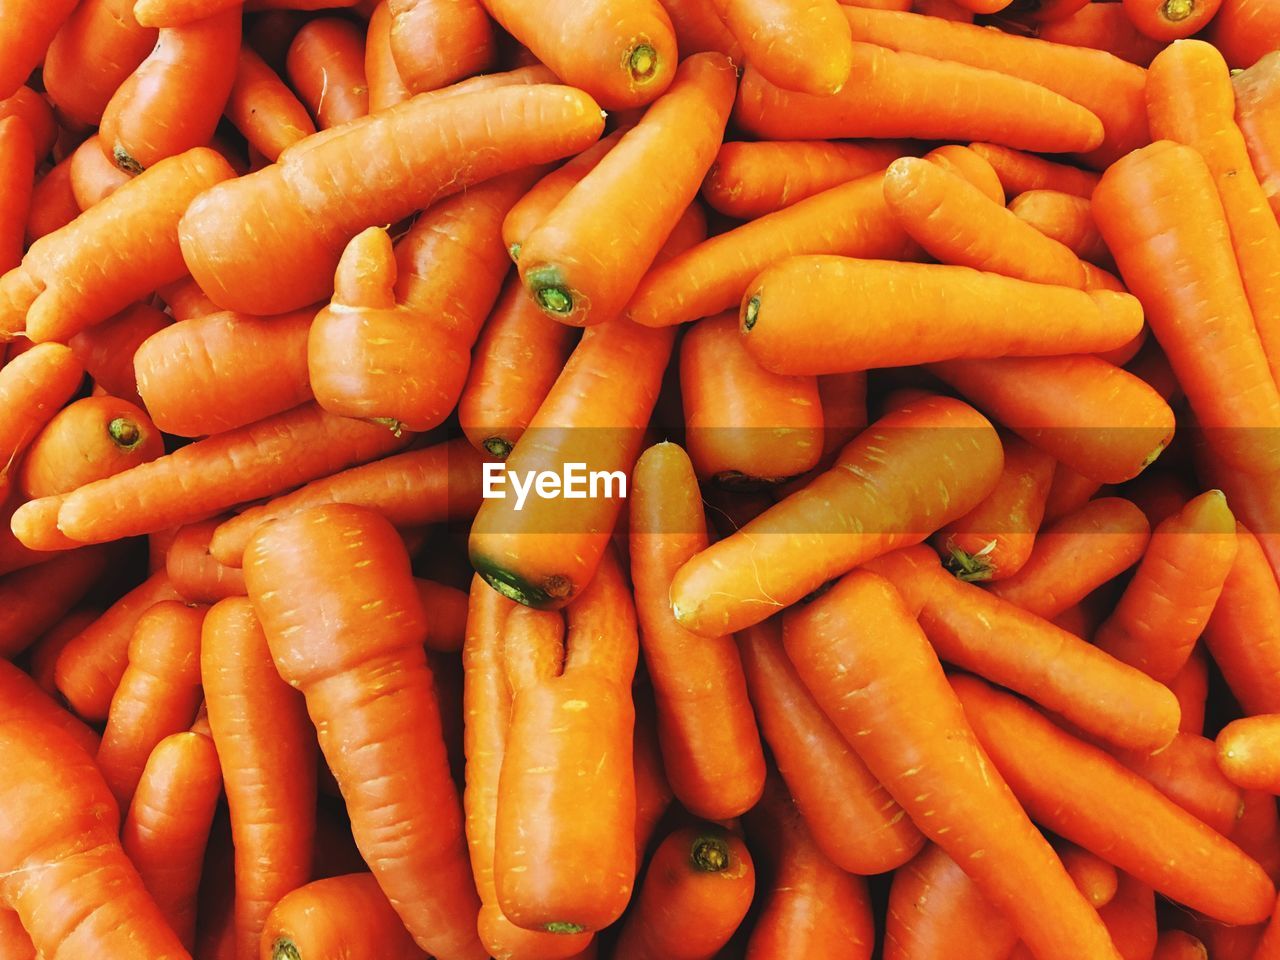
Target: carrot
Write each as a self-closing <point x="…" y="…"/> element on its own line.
<point x="1178" y="945"/>
<point x="438" y="42"/>
<point x="193" y="570"/>
<point x="935" y="911"/>
<point x="748" y="180"/>
<point x="53" y="203"/>
<point x="1065" y="218"/>
<point x="944" y="9"/>
<point x="184" y="300"/>
<point x="1076" y="554"/>
<point x="1087" y="797"/>
<point x="17" y="177"/>
<point x="15" y="942"/>
<point x="94" y="177"/>
<point x="430" y="485"/>
<point x="222" y="371"/>
<point x="1196" y="300"/>
<point x="36" y="115"/>
<point x="847" y="812"/>
<point x="1088" y="414"/>
<point x="1191" y="686"/>
<point x="948" y="101"/>
<point x="1187" y="773"/>
<point x="22" y="699"/>
<point x="334" y="917"/>
<point x="81" y="274"/>
<point x="699" y="28"/>
<point x="1131" y="918"/>
<point x="173" y="13"/>
<point x="33" y="387"/>
<point x="621" y="52"/>
<point x="263" y="109"/>
<point x="157" y="696"/>
<point x="29" y="27"/>
<point x="584" y="261"/>
<point x="797" y="46"/>
<point x="653" y="791"/>
<point x="710" y="745"/>
<point x="325" y="66"/>
<point x="872" y="671"/>
<point x="448" y="607"/>
<point x="1257" y="831"/>
<point x="1244" y="30"/>
<point x="1159" y="618"/>
<point x="1020" y="172"/>
<point x="794" y="315"/>
<point x="42" y="656"/>
<point x="1248" y="752"/>
<point x="974" y="630"/>
<point x="1092" y="875"/>
<point x="431" y="145"/>
<point x="909" y="474"/>
<point x="168" y="825"/>
<point x="265" y="743"/>
<point x="35" y="598"/>
<point x="363" y="623"/>
<point x="1238" y="635"/>
<point x="517" y="357"/>
<point x="812" y="909"/>
<point x="93" y="53"/>
<point x="994" y="540"/>
<point x="1167" y="20"/>
<point x="66" y="875"/>
<point x="386" y="87"/>
<point x="696" y="892"/>
<point x="395" y="342"/>
<point x="1103" y="26"/>
<point x="107" y="349"/>
<point x="1256" y="91"/>
<point x="89" y="439"/>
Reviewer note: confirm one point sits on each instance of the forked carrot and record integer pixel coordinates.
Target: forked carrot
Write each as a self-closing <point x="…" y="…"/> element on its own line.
<point x="438" y="42"/>
<point x="1066" y="218"/>
<point x="1020" y="172"/>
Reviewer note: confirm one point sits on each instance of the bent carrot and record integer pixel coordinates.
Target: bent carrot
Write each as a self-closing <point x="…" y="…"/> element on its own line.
<point x="1103" y="26"/>
<point x="325" y="66"/>
<point x="803" y="47"/>
<point x="194" y="572"/>
<point x="438" y="42"/>
<point x="1065" y="218"/>
<point x="29" y="27"/>
<point x="87" y="440"/>
<point x="1238" y="634"/>
<point x="33" y="387"/>
<point x="263" y="108"/>
<point x="17" y="174"/>
<point x="1020" y="172"/>
<point x="329" y="917"/>
<point x="455" y="139"/>
<point x="870" y="668"/>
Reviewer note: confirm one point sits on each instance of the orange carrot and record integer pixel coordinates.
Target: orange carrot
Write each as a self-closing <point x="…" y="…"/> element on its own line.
<point x="22" y="699"/>
<point x="37" y="597"/>
<point x="1103" y="26"/>
<point x="94" y="176"/>
<point x="193" y="570"/>
<point x="801" y="47"/>
<point x="53" y="203"/>
<point x="439" y="42"/>
<point x="1166" y="20"/>
<point x="1256" y="92"/>
<point x="251" y="246"/>
<point x="184" y="300"/>
<point x="29" y="27"/>
<point x="1092" y="875"/>
<point x="33" y="387"/>
<point x="263" y="109"/>
<point x="699" y="28"/>
<point x="1191" y="686"/>
<point x="90" y="439"/>
<point x="107" y="349"/>
<point x="329" y="917"/>
<point x="92" y="55"/>
<point x="386" y="88"/>
<point x="172" y="13"/>
<point x="42" y="656"/>
<point x="1179" y="945"/>
<point x="1065" y="218"/>
<point x="1186" y="771"/>
<point x="1249" y="752"/>
<point x="1238" y="634"/>
<point x="1020" y="172"/>
<point x="17" y="176"/>
<point x="325" y="66"/>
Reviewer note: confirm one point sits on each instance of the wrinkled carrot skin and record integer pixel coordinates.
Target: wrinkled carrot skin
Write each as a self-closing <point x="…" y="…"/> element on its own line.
<point x="222" y="371"/>
<point x="813" y="909"/>
<point x="1066" y="218"/>
<point x="23" y="699"/>
<point x="93" y="53"/>
<point x="325" y="66"/>
<point x="167" y="826"/>
<point x="338" y="916"/>
<point x="264" y="109"/>
<point x="28" y="28"/>
<point x="1238" y="635"/>
<point x="107" y="349"/>
<point x="1187" y="773"/>
<point x="438" y="42"/>
<point x="1020" y="172"/>
<point x="485" y="130"/>
<point x="36" y="597"/>
<point x="37" y="116"/>
<point x="33" y="387"/>
<point x="53" y="203"/>
<point x="848" y="813"/>
<point x="1076" y="790"/>
<point x="974" y="630"/>
<point x="263" y="738"/>
<point x="1103" y="26"/>
<point x="89" y="439"/>
<point x="889" y="691"/>
<point x="94" y="176"/>
<point x="60" y="845"/>
<point x="195" y="572"/>
<point x="350" y="555"/>
<point x="17" y="178"/>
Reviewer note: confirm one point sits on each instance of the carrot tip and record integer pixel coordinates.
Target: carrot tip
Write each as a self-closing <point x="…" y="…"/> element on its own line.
<point x="124" y="433"/>
<point x="752" y="313"/>
<point x="1176" y="10"/>
<point x="709" y="854"/>
<point x="555" y="589"/>
<point x="514" y="250"/>
<point x="498" y="447"/>
<point x="124" y="161"/>
<point x="285" y="949"/>
<point x="549" y="291"/>
<point x="643" y="62"/>
<point x="561" y="926"/>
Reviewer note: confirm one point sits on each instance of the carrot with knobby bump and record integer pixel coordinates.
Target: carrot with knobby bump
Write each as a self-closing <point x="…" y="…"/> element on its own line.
<point x="797" y="46"/>
<point x="1020" y="172"/>
<point x="1257" y="92"/>
<point x="909" y="474"/>
<point x="439" y="42"/>
<point x="1239" y="633"/>
<point x="1090" y="415"/>
<point x="167" y="826"/>
<point x="264" y="742"/>
<point x="338" y="916"/>
<point x="108" y="348"/>
<point x="263" y="108"/>
<point x="812" y="909"/>
<point x="1086" y="796"/>
<point x="195" y="572"/>
<point x="1076" y="554"/>
<point x="17" y="177"/>
<point x="359" y="632"/>
<point x="325" y="65"/>
<point x="222" y="371"/>
<point x="81" y="274"/>
<point x="825" y="314"/>
<point x="386" y="87"/>
<point x="1158" y="619"/>
<point x="583" y="262"/>
<point x="29" y="27"/>
<point x="848" y="813"/>
<point x="1249" y="752"/>
<point x="157" y="696"/>
<point x="902" y="95"/>
<point x="92" y="55"/>
<point x="994" y="540"/>
<point x="1065" y="218"/>
<point x="1186" y="771"/>
<point x="33" y="387"/>
<point x="87" y="440"/>
<point x="748" y="180"/>
<point x="974" y="630"/>
<point x="872" y="671"/>
<point x="270" y="241"/>
<point x="710" y="745"/>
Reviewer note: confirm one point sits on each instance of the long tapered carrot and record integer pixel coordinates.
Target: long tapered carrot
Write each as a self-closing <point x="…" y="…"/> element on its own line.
<point x="81" y="274"/>
<point x="266" y="749"/>
<point x="325" y="65"/>
<point x="824" y="314"/>
<point x="23" y="698"/>
<point x="167" y="826"/>
<point x="1107" y="86"/>
<point x="1088" y="797"/>
<point x="798" y="46"/>
<point x="33" y="387"/>
<point x="340" y="652"/>
<point x="195" y="572"/>
<point x="457" y="139"/>
<point x="1238" y="633"/>
<point x="1020" y="172"/>
<point x="439" y="42"/>
<point x="1066" y="218"/>
<point x="334" y="916"/>
<point x="583" y="262"/>
<point x="1159" y="209"/>
<point x="28" y="29"/>
<point x="430" y="485"/>
<point x="909" y="95"/>
<point x="891" y="487"/>
<point x="972" y="629"/>
<point x="1090" y="415"/>
<point x="263" y="108"/>
<point x="710" y="745"/>
<point x="36" y="597"/>
<point x="92" y="54"/>
<point x="849" y="814"/>
<point x="17" y="174"/>
<point x="1186" y="771"/>
<point x="872" y="671"/>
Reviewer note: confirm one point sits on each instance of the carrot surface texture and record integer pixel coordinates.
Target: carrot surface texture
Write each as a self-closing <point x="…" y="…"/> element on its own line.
<point x="339" y="916"/>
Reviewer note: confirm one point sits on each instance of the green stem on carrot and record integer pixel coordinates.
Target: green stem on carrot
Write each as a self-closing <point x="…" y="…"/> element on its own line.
<point x="561" y="926"/>
<point x="284" y="949"/>
<point x="549" y="290"/>
<point x="753" y="312"/>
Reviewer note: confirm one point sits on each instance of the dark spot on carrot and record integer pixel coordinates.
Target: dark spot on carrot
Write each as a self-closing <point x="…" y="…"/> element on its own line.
<point x="643" y="62"/>
<point x="124" y="161"/>
<point x="561" y="926"/>
<point x="710" y="855"/>
<point x="124" y="433"/>
<point x="284" y="949"/>
<point x="1176" y="10"/>
<point x="498" y="447"/>
<point x="753" y="312"/>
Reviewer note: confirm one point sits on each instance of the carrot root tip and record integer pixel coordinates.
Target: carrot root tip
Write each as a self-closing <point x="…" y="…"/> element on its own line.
<point x="497" y="446"/>
<point x="550" y="292"/>
<point x="124" y="433"/>
<point x="563" y="926"/>
<point x="709" y="854"/>
<point x="642" y="62"/>
<point x="751" y="314"/>
<point x="1176" y="10"/>
<point x="285" y="949"/>
<point x="124" y="161"/>
<point x="514" y="250"/>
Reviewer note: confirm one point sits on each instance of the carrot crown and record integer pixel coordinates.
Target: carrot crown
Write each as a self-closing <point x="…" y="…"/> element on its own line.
<point x="709" y="855"/>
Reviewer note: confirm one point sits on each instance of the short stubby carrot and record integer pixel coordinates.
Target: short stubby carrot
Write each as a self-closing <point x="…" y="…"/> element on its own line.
<point x="1066" y="218"/>
<point x="912" y="472"/>
<point x="621" y="52"/>
<point x="798" y="46"/>
<point x="325" y="66"/>
<point x="438" y="42"/>
<point x="87" y="440"/>
<point x="269" y="242"/>
<point x="333" y="916"/>
<point x="825" y="314"/>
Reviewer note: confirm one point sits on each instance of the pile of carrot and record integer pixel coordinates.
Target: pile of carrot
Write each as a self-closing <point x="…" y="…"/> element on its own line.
<point x="919" y="365"/>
